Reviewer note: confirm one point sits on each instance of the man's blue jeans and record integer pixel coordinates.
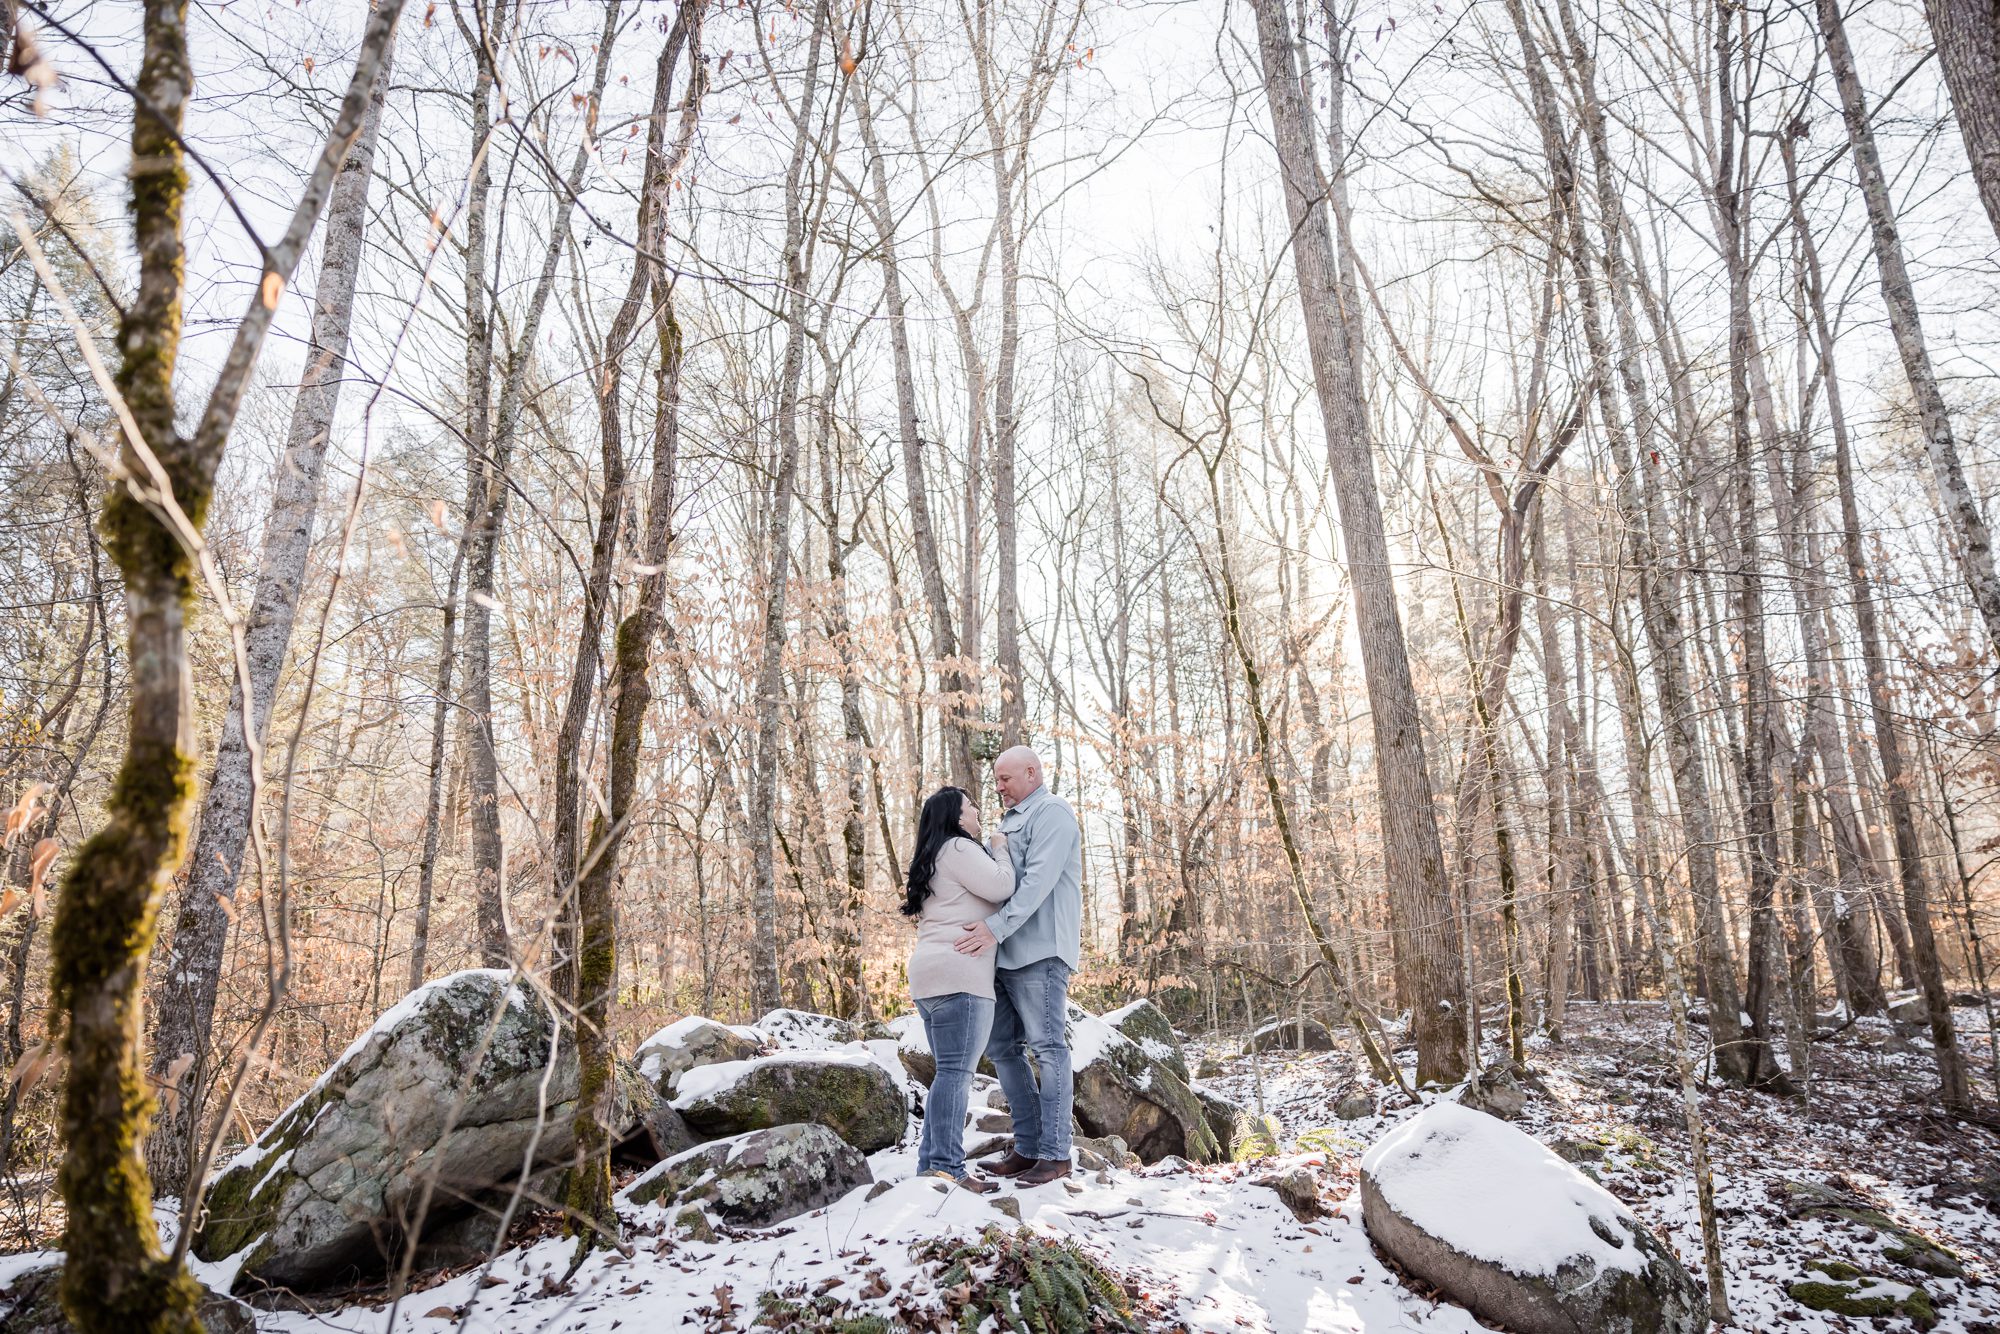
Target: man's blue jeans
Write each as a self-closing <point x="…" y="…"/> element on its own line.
<point x="1031" y="1014"/>
<point x="956" y="1027"/>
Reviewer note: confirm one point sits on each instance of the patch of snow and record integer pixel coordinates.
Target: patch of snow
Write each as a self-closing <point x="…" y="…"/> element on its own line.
<point x="25" y="1262"/>
<point x="1495" y="1193"/>
<point x="283" y="1160"/>
<point x="1090" y="1038"/>
<point x="677" y="1033"/>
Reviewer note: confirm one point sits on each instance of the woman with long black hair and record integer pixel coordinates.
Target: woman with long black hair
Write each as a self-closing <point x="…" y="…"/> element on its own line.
<point x="953" y="880"/>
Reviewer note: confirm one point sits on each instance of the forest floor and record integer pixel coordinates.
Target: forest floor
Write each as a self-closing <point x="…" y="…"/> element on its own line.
<point x="1213" y="1248"/>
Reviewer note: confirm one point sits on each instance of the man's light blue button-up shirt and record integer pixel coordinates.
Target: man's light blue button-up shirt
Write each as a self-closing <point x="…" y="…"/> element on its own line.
<point x="1044" y="919"/>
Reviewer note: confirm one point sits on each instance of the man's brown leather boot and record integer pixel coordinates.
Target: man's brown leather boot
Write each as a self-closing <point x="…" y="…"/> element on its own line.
<point x="1010" y="1166"/>
<point x="1045" y="1171"/>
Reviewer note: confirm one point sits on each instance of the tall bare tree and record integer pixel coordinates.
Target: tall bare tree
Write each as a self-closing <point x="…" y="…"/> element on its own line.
<point x="1413" y="855"/>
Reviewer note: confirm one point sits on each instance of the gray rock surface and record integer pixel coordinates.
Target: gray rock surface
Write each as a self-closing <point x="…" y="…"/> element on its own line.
<point x="454" y="1085"/>
<point x="687" y="1043"/>
<point x="1147" y="1024"/>
<point x="844" y="1090"/>
<point x="1123" y="1091"/>
<point x="756" y="1179"/>
<point x="1294" y="1034"/>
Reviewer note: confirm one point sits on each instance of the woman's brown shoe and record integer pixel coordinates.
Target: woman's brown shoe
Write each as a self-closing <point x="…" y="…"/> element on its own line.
<point x="1010" y="1166"/>
<point x="1044" y="1171"/>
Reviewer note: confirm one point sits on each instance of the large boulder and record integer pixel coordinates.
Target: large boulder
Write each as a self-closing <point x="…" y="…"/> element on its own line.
<point x="756" y="1179"/>
<point x="446" y="1095"/>
<point x="1122" y="1091"/>
<point x="1296" y="1034"/>
<point x="913" y="1050"/>
<point x="1147" y="1024"/>
<point x="847" y="1091"/>
<point x="690" y="1042"/>
<point x="1507" y="1229"/>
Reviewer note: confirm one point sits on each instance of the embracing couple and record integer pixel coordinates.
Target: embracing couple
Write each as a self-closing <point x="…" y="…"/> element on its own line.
<point x="999" y="933"/>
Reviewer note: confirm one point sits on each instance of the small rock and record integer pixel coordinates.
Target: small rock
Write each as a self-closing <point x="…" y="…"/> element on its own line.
<point x="1354" y="1106"/>
<point x="1006" y="1204"/>
<point x="1496" y="1090"/>
<point x="990" y="1122"/>
<point x="695" y="1223"/>
<point x="1296" y="1034"/>
<point x="1107" y="1151"/>
<point x="879" y="1189"/>
<point x="1299" y="1192"/>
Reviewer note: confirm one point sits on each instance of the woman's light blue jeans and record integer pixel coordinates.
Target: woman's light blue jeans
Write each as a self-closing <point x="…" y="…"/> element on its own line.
<point x="956" y="1027"/>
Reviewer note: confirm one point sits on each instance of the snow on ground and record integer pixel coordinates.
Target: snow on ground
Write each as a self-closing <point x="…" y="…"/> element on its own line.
<point x="1215" y="1248"/>
<point x="1219" y="1249"/>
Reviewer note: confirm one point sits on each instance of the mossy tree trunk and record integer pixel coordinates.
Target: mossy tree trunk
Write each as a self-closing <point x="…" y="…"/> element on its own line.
<point x="592" y="1216"/>
<point x="115" y="1277"/>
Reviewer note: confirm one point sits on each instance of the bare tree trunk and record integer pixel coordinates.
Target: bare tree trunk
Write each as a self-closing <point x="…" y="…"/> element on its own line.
<point x="1968" y="47"/>
<point x="944" y="639"/>
<point x="1975" y="544"/>
<point x="1954" y="493"/>
<point x="489" y="525"/>
<point x="594" y="971"/>
<point x="1658" y="590"/>
<point x="201" y="930"/>
<point x="565" y="854"/>
<point x="1759" y="792"/>
<point x="796" y="262"/>
<point x="115" y="1279"/>
<point x="1413" y="855"/>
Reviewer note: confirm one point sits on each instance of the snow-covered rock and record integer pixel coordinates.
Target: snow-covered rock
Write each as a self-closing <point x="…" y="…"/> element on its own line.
<point x="1121" y="1090"/>
<point x="1517" y="1235"/>
<point x="687" y="1043"/>
<point x="756" y="1179"/>
<point x="1147" y="1024"/>
<point x="802" y="1030"/>
<point x="1296" y="1034"/>
<point x="456" y="1083"/>
<point x="847" y="1090"/>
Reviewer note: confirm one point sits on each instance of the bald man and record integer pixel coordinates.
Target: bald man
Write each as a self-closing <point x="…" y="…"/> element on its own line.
<point x="1038" y="934"/>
